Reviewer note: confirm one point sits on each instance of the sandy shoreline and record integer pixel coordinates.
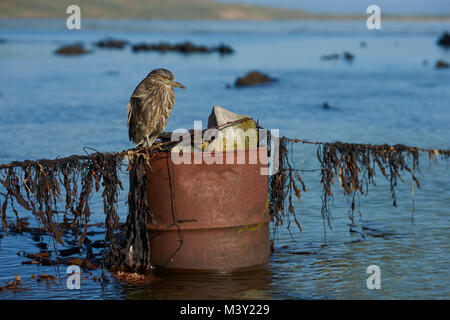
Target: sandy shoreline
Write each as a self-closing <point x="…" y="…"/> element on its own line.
<point x="182" y="10"/>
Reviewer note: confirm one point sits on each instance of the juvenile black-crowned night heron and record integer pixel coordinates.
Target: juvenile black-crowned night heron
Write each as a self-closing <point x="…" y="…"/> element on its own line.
<point x="150" y="106"/>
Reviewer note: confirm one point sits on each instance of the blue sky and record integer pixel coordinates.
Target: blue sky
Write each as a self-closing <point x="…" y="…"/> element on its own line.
<point x="358" y="6"/>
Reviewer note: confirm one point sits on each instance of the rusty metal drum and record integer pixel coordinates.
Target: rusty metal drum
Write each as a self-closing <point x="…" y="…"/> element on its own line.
<point x="209" y="217"/>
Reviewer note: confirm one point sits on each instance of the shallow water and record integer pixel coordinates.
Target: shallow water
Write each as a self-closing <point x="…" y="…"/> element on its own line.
<point x="54" y="106"/>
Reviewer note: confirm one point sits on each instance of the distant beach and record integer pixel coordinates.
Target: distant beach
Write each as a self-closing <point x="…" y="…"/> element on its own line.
<point x="178" y="10"/>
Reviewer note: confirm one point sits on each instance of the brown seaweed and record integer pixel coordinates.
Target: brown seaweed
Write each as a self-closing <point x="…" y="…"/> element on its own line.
<point x="354" y="166"/>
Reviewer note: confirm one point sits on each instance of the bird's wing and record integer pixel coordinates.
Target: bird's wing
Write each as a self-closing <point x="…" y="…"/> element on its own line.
<point x="144" y="115"/>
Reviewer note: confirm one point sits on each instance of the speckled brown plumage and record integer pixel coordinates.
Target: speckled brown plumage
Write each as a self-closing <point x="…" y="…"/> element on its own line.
<point x="150" y="106"/>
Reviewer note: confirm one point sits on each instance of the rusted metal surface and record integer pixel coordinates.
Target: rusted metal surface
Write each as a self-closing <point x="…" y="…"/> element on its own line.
<point x="218" y="210"/>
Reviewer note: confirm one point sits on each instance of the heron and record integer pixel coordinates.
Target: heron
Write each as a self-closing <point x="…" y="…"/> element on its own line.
<point x="150" y="106"/>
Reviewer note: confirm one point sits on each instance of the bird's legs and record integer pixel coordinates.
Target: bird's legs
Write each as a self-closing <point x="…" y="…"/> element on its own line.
<point x="148" y="142"/>
<point x="158" y="145"/>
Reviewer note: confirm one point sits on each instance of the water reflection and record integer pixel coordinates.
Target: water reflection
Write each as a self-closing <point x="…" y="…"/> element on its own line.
<point x="199" y="286"/>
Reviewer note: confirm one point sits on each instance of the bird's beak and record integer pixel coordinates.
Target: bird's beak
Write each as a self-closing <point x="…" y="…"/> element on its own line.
<point x="177" y="84"/>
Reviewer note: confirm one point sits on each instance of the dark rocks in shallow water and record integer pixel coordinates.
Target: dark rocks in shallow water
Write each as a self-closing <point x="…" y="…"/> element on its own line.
<point x="333" y="56"/>
<point x="326" y="105"/>
<point x="188" y="47"/>
<point x="111" y="44"/>
<point x="348" y="56"/>
<point x="161" y="47"/>
<point x="444" y="40"/>
<point x="440" y="64"/>
<point x="75" y="49"/>
<point x="183" y="47"/>
<point x="253" y="78"/>
<point x="224" y="49"/>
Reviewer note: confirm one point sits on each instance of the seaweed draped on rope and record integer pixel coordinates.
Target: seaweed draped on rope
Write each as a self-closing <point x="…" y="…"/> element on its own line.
<point x="61" y="188"/>
<point x="57" y="192"/>
<point x="353" y="165"/>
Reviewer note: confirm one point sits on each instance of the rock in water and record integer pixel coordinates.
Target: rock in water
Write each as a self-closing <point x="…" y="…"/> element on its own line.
<point x="111" y="43"/>
<point x="348" y="56"/>
<point x="253" y="78"/>
<point x="333" y="56"/>
<point x="71" y="50"/>
<point x="444" y="40"/>
<point x="440" y="64"/>
<point x="183" y="47"/>
<point x="224" y="49"/>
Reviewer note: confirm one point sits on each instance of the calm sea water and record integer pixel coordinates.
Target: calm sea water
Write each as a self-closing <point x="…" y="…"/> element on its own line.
<point x="53" y="106"/>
